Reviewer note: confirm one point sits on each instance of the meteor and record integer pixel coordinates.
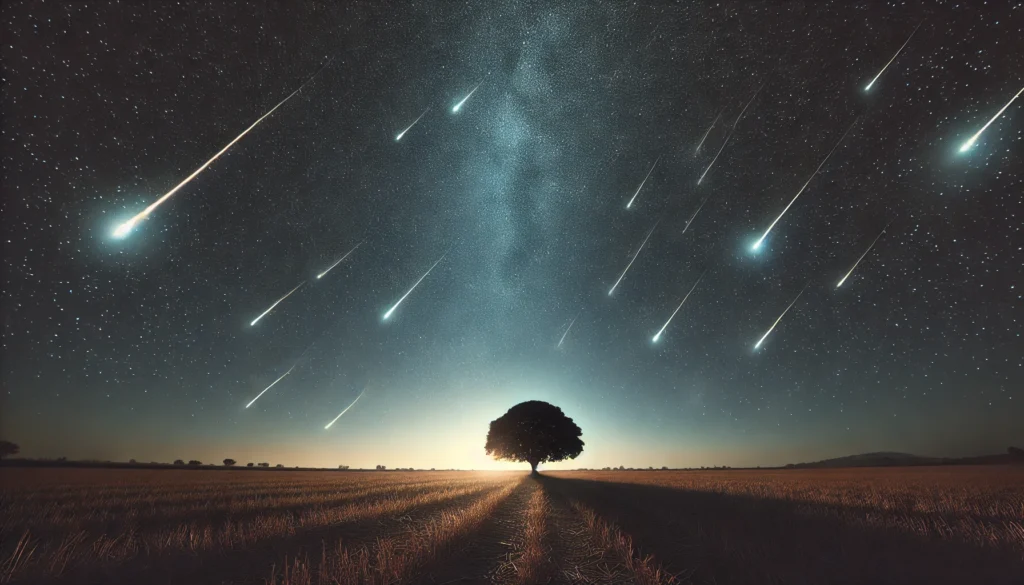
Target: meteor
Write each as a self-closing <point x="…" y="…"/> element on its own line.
<point x="126" y="228"/>
<point x="263" y="314"/>
<point x="970" y="142"/>
<point x="657" y="336"/>
<point x="271" y="386"/>
<point x="868" y="88"/>
<point x="346" y="410"/>
<point x="694" y="216"/>
<point x="760" y="341"/>
<point x="701" y="143"/>
<point x="633" y="260"/>
<point x="630" y="204"/>
<point x="727" y="137"/>
<point x="740" y="117"/>
<point x="458" y="106"/>
<point x="392" y="309"/>
<point x="568" y="328"/>
<point x="402" y="133"/>
<point x="760" y="240"/>
<point x="340" y="260"/>
<point x="864" y="254"/>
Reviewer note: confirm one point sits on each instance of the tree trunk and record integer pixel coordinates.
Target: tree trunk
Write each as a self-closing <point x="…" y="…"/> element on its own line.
<point x="533" y="465"/>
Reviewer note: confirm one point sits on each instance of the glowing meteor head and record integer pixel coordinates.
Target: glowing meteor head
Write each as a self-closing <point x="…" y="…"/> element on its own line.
<point x="868" y="88"/>
<point x="124" y="229"/>
<point x="967" y="145"/>
<point x="455" y="109"/>
<point x="388" y="314"/>
<point x="656" y="338"/>
<point x="756" y="246"/>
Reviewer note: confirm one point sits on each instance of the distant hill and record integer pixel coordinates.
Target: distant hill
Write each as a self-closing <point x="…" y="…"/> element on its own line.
<point x="893" y="459"/>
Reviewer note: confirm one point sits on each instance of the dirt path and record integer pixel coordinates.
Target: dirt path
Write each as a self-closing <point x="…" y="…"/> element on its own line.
<point x="575" y="557"/>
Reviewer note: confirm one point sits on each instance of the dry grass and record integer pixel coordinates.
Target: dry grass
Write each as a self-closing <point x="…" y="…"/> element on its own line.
<point x="531" y="563"/>
<point x="911" y="525"/>
<point x="881" y="525"/>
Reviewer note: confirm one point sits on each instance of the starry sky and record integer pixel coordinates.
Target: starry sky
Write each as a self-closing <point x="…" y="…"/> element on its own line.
<point x="142" y="347"/>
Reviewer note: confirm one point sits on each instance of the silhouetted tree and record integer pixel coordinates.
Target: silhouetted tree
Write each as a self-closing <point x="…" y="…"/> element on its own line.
<point x="1016" y="453"/>
<point x="343" y="467"/>
<point x="229" y="462"/>
<point x="535" y="432"/>
<point x="179" y="462"/>
<point x="195" y="462"/>
<point x="8" y="448"/>
<point x="264" y="465"/>
<point x="279" y="465"/>
<point x="381" y="468"/>
<point x="248" y="464"/>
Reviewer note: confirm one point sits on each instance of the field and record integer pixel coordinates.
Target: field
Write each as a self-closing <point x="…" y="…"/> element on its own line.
<point x="886" y="525"/>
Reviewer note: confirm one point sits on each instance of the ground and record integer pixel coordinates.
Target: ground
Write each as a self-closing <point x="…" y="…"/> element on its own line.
<point x="885" y="525"/>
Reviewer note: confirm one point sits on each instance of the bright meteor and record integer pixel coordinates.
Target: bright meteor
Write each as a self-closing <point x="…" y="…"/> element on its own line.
<point x="458" y="106"/>
<point x="632" y="261"/>
<point x="126" y="228"/>
<point x="657" y="336"/>
<point x="392" y="309"/>
<point x="864" y="254"/>
<point x="346" y="410"/>
<point x="271" y="386"/>
<point x="278" y="302"/>
<point x="767" y="333"/>
<point x="868" y="88"/>
<point x="705" y="137"/>
<point x="340" y="260"/>
<point x="970" y="141"/>
<point x="568" y="328"/>
<point x="760" y="240"/>
<point x="402" y="133"/>
<point x="630" y="204"/>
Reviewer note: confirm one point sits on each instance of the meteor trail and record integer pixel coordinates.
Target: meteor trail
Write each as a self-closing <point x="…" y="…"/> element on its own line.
<point x="568" y="328"/>
<point x="459" y="105"/>
<point x="868" y="88"/>
<point x="630" y="204"/>
<point x="125" y="228"/>
<point x="657" y="336"/>
<point x="331" y="267"/>
<point x="767" y="231"/>
<point x="271" y="386"/>
<point x="263" y="314"/>
<point x="402" y="133"/>
<point x="728" y="136"/>
<point x="692" y="217"/>
<point x="970" y="142"/>
<point x="705" y="137"/>
<point x="760" y="341"/>
<point x="346" y="410"/>
<point x="743" y="111"/>
<point x="633" y="260"/>
<point x="864" y="254"/>
<point x="392" y="309"/>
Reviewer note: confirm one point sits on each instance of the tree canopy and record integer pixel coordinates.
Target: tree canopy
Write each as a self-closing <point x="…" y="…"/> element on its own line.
<point x="535" y="432"/>
<point x="8" y="448"/>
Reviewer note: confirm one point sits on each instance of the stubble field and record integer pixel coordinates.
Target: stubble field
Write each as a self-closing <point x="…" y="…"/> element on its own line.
<point x="910" y="525"/>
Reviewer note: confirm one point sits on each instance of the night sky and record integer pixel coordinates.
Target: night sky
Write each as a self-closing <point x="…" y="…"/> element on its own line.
<point x="141" y="347"/>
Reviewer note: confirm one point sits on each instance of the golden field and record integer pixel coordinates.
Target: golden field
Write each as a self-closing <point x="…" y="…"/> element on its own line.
<point x="870" y="525"/>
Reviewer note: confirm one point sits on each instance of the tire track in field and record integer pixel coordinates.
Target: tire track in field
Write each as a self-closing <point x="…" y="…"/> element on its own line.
<point x="486" y="556"/>
<point x="587" y="548"/>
